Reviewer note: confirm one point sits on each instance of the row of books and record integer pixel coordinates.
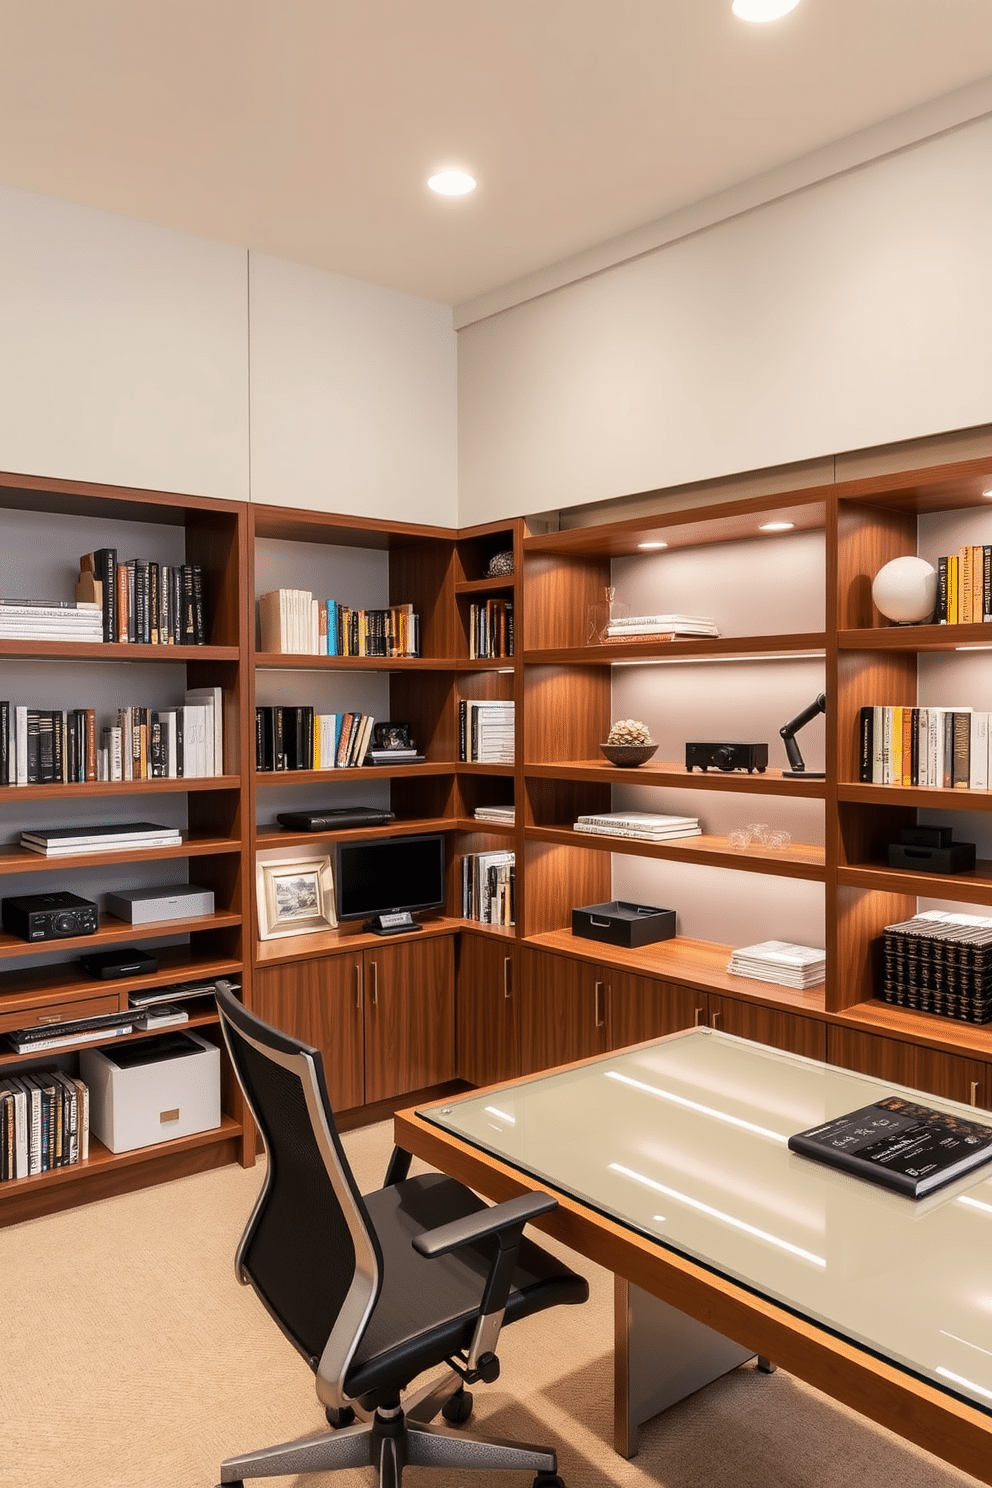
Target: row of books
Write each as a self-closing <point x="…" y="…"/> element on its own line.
<point x="490" y="628"/>
<point x="659" y="627"/>
<point x="292" y="621"/>
<point x="505" y="814"/>
<point x="56" y="746"/>
<point x="780" y="961"/>
<point x="964" y="586"/>
<point x="142" y="602"/>
<point x="940" y="962"/>
<point x="297" y="738"/>
<point x="60" y="842"/>
<point x="946" y="747"/>
<point x="42" y="1038"/>
<point x="50" y="620"/>
<point x="489" y="887"/>
<point x="647" y="826"/>
<point x="485" y="732"/>
<point x="44" y="1123"/>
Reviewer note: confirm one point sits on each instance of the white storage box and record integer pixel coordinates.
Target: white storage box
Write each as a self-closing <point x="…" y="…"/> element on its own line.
<point x="152" y="1090"/>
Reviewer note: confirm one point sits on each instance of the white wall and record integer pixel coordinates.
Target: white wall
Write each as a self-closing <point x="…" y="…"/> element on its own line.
<point x="353" y="396"/>
<point x="853" y="313"/>
<point x="124" y="358"/>
<point x="123" y="351"/>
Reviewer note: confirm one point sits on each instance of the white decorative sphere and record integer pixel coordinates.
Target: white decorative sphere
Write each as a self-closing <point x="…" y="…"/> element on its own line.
<point x="905" y="590"/>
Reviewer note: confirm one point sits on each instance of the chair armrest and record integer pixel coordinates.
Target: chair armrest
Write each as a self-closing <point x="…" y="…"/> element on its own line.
<point x="499" y="1219"/>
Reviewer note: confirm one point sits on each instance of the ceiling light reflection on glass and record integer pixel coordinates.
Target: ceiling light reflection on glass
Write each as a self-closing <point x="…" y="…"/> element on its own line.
<point x="451" y="183"/>
<point x="762" y="10"/>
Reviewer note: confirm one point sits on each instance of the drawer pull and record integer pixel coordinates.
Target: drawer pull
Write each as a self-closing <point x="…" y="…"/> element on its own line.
<point x="975" y="1084"/>
<point x="507" y="977"/>
<point x="600" y="924"/>
<point x="697" y="1017"/>
<point x="358" y="985"/>
<point x="715" y="1019"/>
<point x="374" y="968"/>
<point x="600" y="1019"/>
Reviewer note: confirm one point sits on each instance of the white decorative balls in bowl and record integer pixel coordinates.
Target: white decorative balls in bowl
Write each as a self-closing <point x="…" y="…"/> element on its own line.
<point x="905" y="590"/>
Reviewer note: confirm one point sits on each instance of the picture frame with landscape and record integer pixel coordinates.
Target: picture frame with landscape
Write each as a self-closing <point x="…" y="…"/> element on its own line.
<point x="295" y="896"/>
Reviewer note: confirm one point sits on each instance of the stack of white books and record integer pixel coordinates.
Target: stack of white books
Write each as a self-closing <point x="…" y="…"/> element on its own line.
<point x="486" y="728"/>
<point x="56" y="842"/>
<point x="50" y="620"/>
<point x="660" y="627"/>
<point x="780" y="961"/>
<point x="647" y="825"/>
<point x="505" y="814"/>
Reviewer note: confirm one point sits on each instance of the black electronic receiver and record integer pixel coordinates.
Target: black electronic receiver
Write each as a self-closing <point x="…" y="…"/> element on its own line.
<point x="722" y="756"/>
<point x="334" y="818"/>
<point x="125" y="962"/>
<point x="54" y="916"/>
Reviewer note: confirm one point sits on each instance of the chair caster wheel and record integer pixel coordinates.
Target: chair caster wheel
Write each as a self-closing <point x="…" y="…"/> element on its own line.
<point x="458" y="1407"/>
<point x="339" y="1416"/>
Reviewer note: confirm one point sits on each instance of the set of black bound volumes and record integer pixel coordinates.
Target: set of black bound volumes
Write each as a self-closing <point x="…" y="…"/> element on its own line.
<point x="940" y="963"/>
<point x="146" y="603"/>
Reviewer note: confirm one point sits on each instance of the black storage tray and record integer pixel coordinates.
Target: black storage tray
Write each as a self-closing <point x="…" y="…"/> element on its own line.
<point x="624" y="924"/>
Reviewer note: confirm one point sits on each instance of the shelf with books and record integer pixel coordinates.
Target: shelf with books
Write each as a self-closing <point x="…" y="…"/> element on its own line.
<point x="797" y="860"/>
<point x="16" y="859"/>
<point x="771" y="782"/>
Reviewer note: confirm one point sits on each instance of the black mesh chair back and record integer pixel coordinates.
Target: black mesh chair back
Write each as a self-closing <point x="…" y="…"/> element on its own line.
<point x="309" y="1208"/>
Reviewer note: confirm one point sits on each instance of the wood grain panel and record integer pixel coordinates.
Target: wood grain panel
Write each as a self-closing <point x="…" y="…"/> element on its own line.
<point x="320" y="1002"/>
<point x="782" y="1030"/>
<point x="559" y="878"/>
<point x="486" y="1017"/>
<point x="867" y="538"/>
<point x="563" y="1011"/>
<point x="956" y="1077"/>
<point x="566" y="713"/>
<point x="644" y="1008"/>
<point x="409" y="1016"/>
<point x="867" y="678"/>
<point x="557" y="596"/>
<point x="860" y="920"/>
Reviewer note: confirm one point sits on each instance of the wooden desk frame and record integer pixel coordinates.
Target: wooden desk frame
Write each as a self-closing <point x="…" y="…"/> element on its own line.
<point x="913" y="1409"/>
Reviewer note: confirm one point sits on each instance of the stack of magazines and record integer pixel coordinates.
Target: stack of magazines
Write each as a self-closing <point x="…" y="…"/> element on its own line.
<point x="505" y="814"/>
<point x="780" y="961"/>
<point x="50" y="620"/>
<point x="659" y="627"/>
<point x="54" y="842"/>
<point x="646" y="825"/>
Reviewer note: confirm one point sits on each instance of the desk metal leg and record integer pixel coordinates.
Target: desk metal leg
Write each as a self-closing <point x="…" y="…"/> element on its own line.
<point x="660" y="1357"/>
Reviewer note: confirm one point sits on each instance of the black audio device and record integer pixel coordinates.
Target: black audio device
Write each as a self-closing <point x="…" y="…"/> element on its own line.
<point x="126" y="961"/>
<point x="334" y="818"/>
<point x="747" y="757"/>
<point x="50" y="916"/>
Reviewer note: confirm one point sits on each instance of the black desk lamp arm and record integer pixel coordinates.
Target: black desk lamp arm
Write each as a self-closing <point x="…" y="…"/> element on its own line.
<point x="789" y="730"/>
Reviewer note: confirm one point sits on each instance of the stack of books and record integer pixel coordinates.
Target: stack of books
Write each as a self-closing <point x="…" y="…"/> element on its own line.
<point x="506" y="814"/>
<point x="946" y="746"/>
<point x="488" y="887"/>
<point x="292" y="621"/>
<point x="659" y="627"/>
<point x="44" y="1122"/>
<point x="486" y="732"/>
<point x="50" y="620"/>
<point x="964" y="586"/>
<point x="646" y="825"/>
<point x="490" y="628"/>
<point x="940" y="963"/>
<point x="96" y="1029"/>
<point x="60" y="842"/>
<point x="143" y="602"/>
<point x="297" y="738"/>
<point x="780" y="961"/>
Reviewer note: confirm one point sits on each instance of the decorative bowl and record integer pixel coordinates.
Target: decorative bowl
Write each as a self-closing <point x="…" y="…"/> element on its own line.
<point x="627" y="754"/>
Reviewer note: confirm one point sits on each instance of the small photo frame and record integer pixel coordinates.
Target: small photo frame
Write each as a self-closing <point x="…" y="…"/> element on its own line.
<point x="391" y="736"/>
<point x="295" y="896"/>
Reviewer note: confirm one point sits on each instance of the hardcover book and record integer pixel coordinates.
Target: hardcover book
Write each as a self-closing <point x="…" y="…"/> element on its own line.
<point x="903" y="1146"/>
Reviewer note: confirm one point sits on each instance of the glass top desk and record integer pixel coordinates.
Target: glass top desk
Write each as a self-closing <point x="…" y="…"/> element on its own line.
<point x="671" y="1168"/>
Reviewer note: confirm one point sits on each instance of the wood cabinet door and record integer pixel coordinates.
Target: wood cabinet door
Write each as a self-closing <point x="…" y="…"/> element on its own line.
<point x="409" y="1016"/>
<point x="320" y="1002"/>
<point x="645" y="1008"/>
<point x="783" y="1030"/>
<point x="951" y="1075"/>
<point x="486" y="1022"/>
<point x="563" y="1010"/>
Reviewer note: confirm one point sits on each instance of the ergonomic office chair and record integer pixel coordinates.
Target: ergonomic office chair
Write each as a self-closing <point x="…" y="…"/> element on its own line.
<point x="375" y="1290"/>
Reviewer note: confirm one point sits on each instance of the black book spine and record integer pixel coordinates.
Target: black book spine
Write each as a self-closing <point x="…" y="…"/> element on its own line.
<point x="156" y="763"/>
<point x="308" y="728"/>
<point x="142" y="625"/>
<point x="940" y="609"/>
<point x="199" y="626"/>
<point x="34" y="747"/>
<point x="180" y="726"/>
<point x="132" y="600"/>
<point x="175" y="603"/>
<point x="153" y="603"/>
<point x="259" y="741"/>
<point x="105" y="568"/>
<point x="278" y="739"/>
<point x="866" y="745"/>
<point x="5" y="741"/>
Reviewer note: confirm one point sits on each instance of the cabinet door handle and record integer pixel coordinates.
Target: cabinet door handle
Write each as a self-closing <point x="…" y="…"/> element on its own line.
<point x="975" y="1085"/>
<point x="507" y="977"/>
<point x="600" y="1019"/>
<point x="715" y="1019"/>
<point x="358" y="984"/>
<point x="374" y="968"/>
<point x="698" y="1016"/>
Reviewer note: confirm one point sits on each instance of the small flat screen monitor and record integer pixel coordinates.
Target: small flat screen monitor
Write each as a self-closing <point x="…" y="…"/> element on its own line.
<point x="388" y="880"/>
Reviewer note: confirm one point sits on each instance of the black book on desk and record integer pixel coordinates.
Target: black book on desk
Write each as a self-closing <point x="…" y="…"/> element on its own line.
<point x="910" y="1148"/>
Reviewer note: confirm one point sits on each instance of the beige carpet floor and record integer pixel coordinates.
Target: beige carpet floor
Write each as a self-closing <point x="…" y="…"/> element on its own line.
<point x="131" y="1358"/>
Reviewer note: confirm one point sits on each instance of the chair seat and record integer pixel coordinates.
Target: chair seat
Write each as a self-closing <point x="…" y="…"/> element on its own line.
<point x="427" y="1309"/>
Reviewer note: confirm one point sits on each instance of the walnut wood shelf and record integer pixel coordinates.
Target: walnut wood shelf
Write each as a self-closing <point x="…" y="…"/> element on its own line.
<point x="498" y="584"/>
<point x="692" y="963"/>
<point x="116" y="932"/>
<point x="932" y="796"/>
<point x="32" y="987"/>
<point x="946" y="1034"/>
<point x="798" y="860"/>
<point x="291" y="661"/>
<point x="974" y="887"/>
<point x="269" y="837"/>
<point x="346" y="774"/>
<point x="111" y="651"/>
<point x="771" y="783"/>
<point x="703" y="648"/>
<point x="916" y="638"/>
<point x="21" y="860"/>
<point x="195" y="1020"/>
<point x="344" y="938"/>
<point x="94" y="789"/>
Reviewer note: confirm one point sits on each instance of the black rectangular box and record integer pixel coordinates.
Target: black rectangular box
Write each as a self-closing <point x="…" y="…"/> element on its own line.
<point x="123" y="962"/>
<point x="926" y="836"/>
<point x="959" y="857"/>
<point x="53" y="916"/>
<point x="623" y="924"/>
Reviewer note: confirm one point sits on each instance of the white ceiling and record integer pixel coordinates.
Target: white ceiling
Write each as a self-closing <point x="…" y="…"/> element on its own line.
<point x="306" y="128"/>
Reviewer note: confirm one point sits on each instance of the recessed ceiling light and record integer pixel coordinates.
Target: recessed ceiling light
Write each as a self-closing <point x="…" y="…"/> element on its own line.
<point x="451" y="183"/>
<point x="762" y="10"/>
<point x="776" y="526"/>
<point x="652" y="545"/>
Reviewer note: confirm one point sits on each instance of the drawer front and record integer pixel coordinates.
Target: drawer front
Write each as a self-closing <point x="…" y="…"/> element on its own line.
<point x="59" y="1012"/>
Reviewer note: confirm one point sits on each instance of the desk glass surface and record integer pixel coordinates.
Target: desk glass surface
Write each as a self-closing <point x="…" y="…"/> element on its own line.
<point x="684" y="1140"/>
